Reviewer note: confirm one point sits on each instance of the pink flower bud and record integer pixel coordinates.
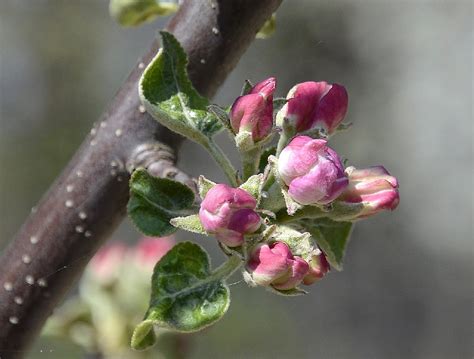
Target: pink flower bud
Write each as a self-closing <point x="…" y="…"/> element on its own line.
<point x="315" y="105"/>
<point x="149" y="250"/>
<point x="105" y="265"/>
<point x="318" y="267"/>
<point x="274" y="264"/>
<point x="372" y="187"/>
<point x="312" y="171"/>
<point x="229" y="213"/>
<point x="254" y="112"/>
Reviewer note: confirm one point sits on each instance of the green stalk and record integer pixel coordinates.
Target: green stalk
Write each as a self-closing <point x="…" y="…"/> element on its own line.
<point x="250" y="162"/>
<point x="223" y="161"/>
<point x="228" y="268"/>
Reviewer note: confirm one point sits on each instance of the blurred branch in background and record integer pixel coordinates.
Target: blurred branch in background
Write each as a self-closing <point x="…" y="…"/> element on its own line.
<point x="87" y="201"/>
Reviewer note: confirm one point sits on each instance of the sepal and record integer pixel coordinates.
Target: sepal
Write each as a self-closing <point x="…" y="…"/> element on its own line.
<point x="204" y="185"/>
<point x="254" y="186"/>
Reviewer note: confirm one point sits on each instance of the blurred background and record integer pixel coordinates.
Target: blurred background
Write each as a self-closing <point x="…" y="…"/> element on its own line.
<point x="406" y="290"/>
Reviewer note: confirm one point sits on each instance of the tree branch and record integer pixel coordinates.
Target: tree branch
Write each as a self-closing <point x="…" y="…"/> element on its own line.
<point x="87" y="201"/>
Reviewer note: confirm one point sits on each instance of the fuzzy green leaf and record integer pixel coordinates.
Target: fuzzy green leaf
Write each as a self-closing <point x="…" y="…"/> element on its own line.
<point x="170" y="97"/>
<point x="204" y="185"/>
<point x="268" y="28"/>
<point x="186" y="296"/>
<point x="254" y="186"/>
<point x="278" y="103"/>
<point x="137" y="12"/>
<point x="301" y="244"/>
<point x="154" y="201"/>
<point x="246" y="88"/>
<point x="190" y="223"/>
<point x="332" y="237"/>
<point x="143" y="336"/>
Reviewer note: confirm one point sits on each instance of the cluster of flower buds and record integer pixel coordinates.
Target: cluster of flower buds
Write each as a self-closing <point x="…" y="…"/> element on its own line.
<point x="308" y="172"/>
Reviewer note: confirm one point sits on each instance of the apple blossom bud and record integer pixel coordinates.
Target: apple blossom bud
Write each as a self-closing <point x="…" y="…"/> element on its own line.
<point x="274" y="264"/>
<point x="229" y="213"/>
<point x="312" y="171"/>
<point x="314" y="105"/>
<point x="149" y="250"/>
<point x="374" y="188"/>
<point x="104" y="266"/>
<point x="253" y="112"/>
<point x="318" y="267"/>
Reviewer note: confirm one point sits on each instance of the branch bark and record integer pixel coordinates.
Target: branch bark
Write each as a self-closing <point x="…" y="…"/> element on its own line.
<point x="87" y="201"/>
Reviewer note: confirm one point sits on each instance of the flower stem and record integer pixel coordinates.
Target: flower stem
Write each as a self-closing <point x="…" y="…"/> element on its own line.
<point x="229" y="267"/>
<point x="223" y="161"/>
<point x="250" y="162"/>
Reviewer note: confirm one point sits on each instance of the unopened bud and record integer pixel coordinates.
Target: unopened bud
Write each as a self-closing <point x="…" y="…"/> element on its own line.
<point x="314" y="105"/>
<point x="312" y="171"/>
<point x="373" y="188"/>
<point x="274" y="265"/>
<point x="253" y="112"/>
<point x="229" y="214"/>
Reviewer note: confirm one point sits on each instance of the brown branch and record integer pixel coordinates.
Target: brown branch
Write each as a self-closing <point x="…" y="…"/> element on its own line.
<point x="86" y="203"/>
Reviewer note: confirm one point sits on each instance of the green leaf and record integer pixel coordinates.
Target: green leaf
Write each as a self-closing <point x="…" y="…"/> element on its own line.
<point x="170" y="97"/>
<point x="186" y="296"/>
<point x="254" y="186"/>
<point x="204" y="185"/>
<point x="246" y="88"/>
<point x="332" y="237"/>
<point x="278" y="103"/>
<point x="289" y="292"/>
<point x="137" y="12"/>
<point x="143" y="336"/>
<point x="222" y="115"/>
<point x="190" y="223"/>
<point x="154" y="201"/>
<point x="301" y="244"/>
<point x="268" y="28"/>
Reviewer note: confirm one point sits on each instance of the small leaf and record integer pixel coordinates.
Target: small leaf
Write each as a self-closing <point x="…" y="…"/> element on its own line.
<point x="301" y="244"/>
<point x="244" y="141"/>
<point x="278" y="103"/>
<point x="154" y="201"/>
<point x="186" y="296"/>
<point x="204" y="185"/>
<point x="254" y="186"/>
<point x="289" y="292"/>
<point x="137" y="12"/>
<point x="143" y="336"/>
<point x="190" y="223"/>
<point x="222" y="115"/>
<point x="332" y="237"/>
<point x="246" y="88"/>
<point x="268" y="28"/>
<point x="170" y="97"/>
<point x="291" y="205"/>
